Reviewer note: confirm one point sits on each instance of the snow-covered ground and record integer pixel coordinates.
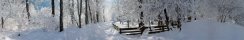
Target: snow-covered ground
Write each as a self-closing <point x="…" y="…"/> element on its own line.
<point x="211" y="30"/>
<point x="44" y="27"/>
<point x="197" y="30"/>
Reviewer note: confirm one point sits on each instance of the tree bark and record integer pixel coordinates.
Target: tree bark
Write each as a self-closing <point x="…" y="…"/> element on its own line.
<point x="53" y="8"/>
<point x="141" y="24"/>
<point x="86" y="13"/>
<point x="2" y="22"/>
<point x="97" y="13"/>
<point x="27" y="10"/>
<point x="61" y="16"/>
<point x="90" y="14"/>
<point x="79" y="13"/>
<point x="166" y="17"/>
<point x="71" y="6"/>
<point x="97" y="16"/>
<point x="178" y="17"/>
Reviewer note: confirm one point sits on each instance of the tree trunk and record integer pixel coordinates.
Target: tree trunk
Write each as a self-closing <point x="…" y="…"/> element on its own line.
<point x="53" y="8"/>
<point x="166" y="17"/>
<point x="97" y="12"/>
<point x="72" y="12"/>
<point x="27" y="10"/>
<point x="178" y="17"/>
<point x="128" y="23"/>
<point x="2" y="22"/>
<point x="90" y="14"/>
<point x="86" y="14"/>
<point x="97" y="16"/>
<point x="141" y="24"/>
<point x="61" y="16"/>
<point x="79" y="13"/>
<point x="160" y="22"/>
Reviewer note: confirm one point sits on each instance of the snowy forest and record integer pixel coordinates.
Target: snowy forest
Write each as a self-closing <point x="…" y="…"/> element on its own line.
<point x="121" y="19"/>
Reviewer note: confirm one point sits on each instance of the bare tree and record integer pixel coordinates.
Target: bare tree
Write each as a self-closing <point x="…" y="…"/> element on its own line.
<point x="61" y="16"/>
<point x="97" y="16"/>
<point x="86" y="13"/>
<point x="90" y="13"/>
<point x="97" y="11"/>
<point x="178" y="9"/>
<point x="160" y="21"/>
<point x="71" y="10"/>
<point x="141" y="24"/>
<point x="53" y="8"/>
<point x="2" y="22"/>
<point x="27" y="9"/>
<point x="79" y="13"/>
<point x="166" y="17"/>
